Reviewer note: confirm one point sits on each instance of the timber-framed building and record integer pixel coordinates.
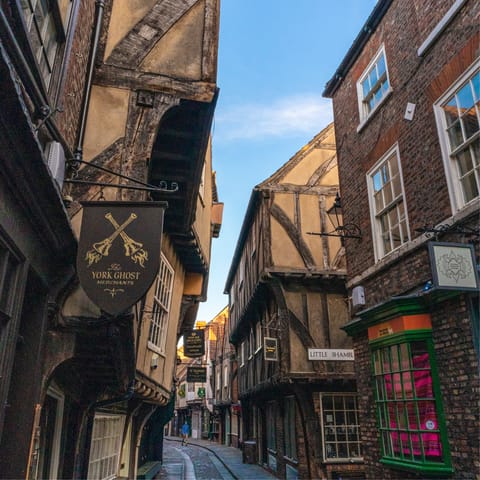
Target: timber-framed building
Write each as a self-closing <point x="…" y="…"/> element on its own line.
<point x="99" y="92"/>
<point x="287" y="296"/>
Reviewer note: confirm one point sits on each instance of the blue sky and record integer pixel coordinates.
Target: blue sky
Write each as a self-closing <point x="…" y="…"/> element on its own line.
<point x="275" y="57"/>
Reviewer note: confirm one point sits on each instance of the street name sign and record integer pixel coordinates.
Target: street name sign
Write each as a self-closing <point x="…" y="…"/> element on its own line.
<point x="331" y="354"/>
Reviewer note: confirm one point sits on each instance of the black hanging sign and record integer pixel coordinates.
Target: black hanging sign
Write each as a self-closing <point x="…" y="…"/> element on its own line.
<point x="119" y="251"/>
<point x="194" y="344"/>
<point x="270" y="349"/>
<point x="196" y="374"/>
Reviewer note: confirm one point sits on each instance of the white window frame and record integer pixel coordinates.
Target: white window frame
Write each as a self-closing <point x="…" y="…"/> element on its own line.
<point x="363" y="108"/>
<point x="106" y="446"/>
<point x="331" y="429"/>
<point x="450" y="164"/>
<point x="242" y="353"/>
<point x="251" y="343"/>
<point x="241" y="272"/>
<point x="259" y="336"/>
<point x="225" y="376"/>
<point x="377" y="232"/>
<point x="162" y="299"/>
<point x="201" y="188"/>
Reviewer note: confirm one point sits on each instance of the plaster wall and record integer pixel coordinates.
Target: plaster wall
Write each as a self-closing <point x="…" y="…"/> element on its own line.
<point x="284" y="252"/>
<point x="203" y="216"/>
<point x="107" y="118"/>
<point x="179" y="52"/>
<point x="307" y="167"/>
<point x="125" y="15"/>
<point x="298" y="355"/>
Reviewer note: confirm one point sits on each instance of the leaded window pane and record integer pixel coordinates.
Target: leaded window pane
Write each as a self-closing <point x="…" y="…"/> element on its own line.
<point x="340" y="426"/>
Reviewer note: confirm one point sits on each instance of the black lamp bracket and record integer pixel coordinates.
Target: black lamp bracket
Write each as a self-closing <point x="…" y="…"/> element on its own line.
<point x="349" y="230"/>
<point x="162" y="187"/>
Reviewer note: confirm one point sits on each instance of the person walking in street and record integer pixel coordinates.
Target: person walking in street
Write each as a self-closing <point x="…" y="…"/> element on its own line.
<point x="185" y="433"/>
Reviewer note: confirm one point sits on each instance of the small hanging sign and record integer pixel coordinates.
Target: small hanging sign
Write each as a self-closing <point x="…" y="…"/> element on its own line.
<point x="453" y="266"/>
<point x="194" y="344"/>
<point x="196" y="374"/>
<point x="270" y="349"/>
<point x="119" y="251"/>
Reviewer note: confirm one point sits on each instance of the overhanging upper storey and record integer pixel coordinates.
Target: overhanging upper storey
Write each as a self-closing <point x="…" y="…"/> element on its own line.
<point x="178" y="156"/>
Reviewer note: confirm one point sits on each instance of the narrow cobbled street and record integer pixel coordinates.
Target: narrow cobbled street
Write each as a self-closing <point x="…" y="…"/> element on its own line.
<point x="204" y="460"/>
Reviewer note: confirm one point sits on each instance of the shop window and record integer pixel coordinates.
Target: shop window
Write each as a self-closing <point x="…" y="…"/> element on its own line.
<point x="387" y="205"/>
<point x="407" y="397"/>
<point x="106" y="446"/>
<point x="289" y="425"/>
<point x="458" y="120"/>
<point x="340" y="425"/>
<point x="161" y="307"/>
<point x="373" y="86"/>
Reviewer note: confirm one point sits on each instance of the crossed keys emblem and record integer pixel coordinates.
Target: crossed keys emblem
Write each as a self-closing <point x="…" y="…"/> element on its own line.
<point x="133" y="249"/>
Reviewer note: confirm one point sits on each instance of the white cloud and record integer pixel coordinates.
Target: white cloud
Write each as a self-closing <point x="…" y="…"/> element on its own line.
<point x="300" y="114"/>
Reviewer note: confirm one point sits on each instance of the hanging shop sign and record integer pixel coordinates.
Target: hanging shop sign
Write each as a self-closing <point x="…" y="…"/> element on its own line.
<point x="453" y="266"/>
<point x="194" y="344"/>
<point x="331" y="354"/>
<point x="119" y="251"/>
<point x="270" y="348"/>
<point x="196" y="374"/>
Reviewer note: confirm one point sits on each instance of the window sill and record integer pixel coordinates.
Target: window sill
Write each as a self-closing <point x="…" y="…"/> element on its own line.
<point x="332" y="461"/>
<point x="155" y="349"/>
<point x="391" y="252"/>
<point x="424" y="468"/>
<point x="408" y="247"/>
<point x="366" y="120"/>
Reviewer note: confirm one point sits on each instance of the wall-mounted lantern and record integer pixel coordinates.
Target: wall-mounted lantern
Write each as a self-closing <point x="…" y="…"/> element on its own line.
<point x="335" y="215"/>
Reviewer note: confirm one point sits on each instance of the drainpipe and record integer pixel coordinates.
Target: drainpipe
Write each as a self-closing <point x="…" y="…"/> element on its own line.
<point x="99" y="10"/>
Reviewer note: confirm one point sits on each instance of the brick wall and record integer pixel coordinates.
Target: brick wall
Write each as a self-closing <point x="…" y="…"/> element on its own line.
<point x="72" y="96"/>
<point x="419" y="80"/>
<point x="426" y="195"/>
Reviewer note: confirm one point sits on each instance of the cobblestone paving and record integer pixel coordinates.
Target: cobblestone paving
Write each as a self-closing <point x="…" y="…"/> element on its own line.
<point x="206" y="466"/>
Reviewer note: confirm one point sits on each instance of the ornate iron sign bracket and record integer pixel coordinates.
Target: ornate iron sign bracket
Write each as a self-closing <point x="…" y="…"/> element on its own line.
<point x="163" y="187"/>
<point x="456" y="229"/>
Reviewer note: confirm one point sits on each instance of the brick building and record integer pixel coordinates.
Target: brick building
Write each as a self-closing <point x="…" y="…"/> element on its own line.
<point x="406" y="101"/>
